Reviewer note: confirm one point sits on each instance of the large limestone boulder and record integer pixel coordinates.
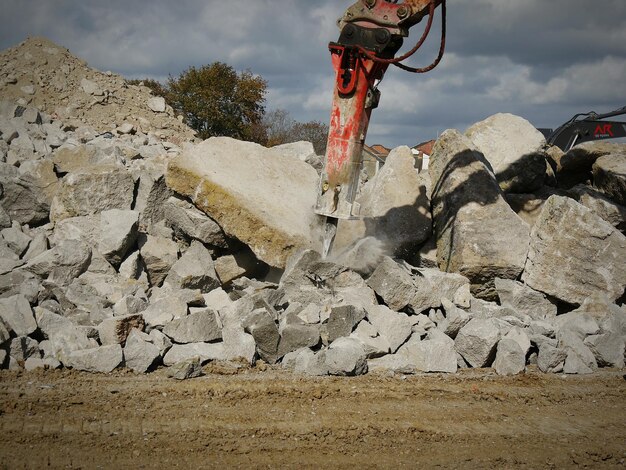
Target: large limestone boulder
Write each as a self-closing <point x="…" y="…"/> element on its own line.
<point x="395" y="208"/>
<point x="574" y="254"/>
<point x="258" y="195"/>
<point x="478" y="234"/>
<point x="514" y="148"/>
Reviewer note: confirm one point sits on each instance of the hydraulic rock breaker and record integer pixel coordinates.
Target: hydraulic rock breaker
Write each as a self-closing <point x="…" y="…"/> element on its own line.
<point x="372" y="32"/>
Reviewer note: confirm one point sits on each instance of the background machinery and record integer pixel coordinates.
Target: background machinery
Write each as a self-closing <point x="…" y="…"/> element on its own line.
<point x="585" y="127"/>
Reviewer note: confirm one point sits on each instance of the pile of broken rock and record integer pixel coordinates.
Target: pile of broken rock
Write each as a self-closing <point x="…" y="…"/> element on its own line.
<point x="119" y="249"/>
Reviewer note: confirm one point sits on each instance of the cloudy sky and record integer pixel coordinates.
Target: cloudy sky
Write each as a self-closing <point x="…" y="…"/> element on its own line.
<point x="543" y="60"/>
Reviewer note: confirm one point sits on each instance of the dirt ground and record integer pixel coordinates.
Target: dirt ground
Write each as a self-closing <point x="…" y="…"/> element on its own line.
<point x="269" y="419"/>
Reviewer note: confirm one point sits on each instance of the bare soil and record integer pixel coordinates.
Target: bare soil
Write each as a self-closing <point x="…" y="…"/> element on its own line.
<point x="266" y="418"/>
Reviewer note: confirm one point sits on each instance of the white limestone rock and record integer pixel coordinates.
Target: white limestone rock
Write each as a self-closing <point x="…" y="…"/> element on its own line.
<point x="575" y="254"/>
<point x="477" y="341"/>
<point x="346" y="357"/>
<point x="242" y="186"/>
<point x="510" y="358"/>
<point x="103" y="359"/>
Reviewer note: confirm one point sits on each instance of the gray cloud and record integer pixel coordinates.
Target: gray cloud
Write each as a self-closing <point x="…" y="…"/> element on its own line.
<point x="542" y="60"/>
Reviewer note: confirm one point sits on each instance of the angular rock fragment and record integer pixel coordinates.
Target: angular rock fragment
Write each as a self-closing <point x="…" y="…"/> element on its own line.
<point x="477" y="341"/>
<point x="15" y="239"/>
<point x="262" y="326"/>
<point x="157" y="104"/>
<point x="393" y="283"/>
<point x="186" y="369"/>
<point x="579" y="322"/>
<point x="601" y="205"/>
<point x="310" y="363"/>
<point x="519" y="335"/>
<point x="574" y="254"/>
<point x="162" y="311"/>
<point x="310" y="279"/>
<point x="580" y="359"/>
<point x="608" y="349"/>
<point x="373" y="343"/>
<point x="243" y="188"/>
<point x="510" y="359"/>
<point x="132" y="267"/>
<point x="139" y="352"/>
<point x="238" y="345"/>
<point x="152" y="193"/>
<point x="342" y="320"/>
<point x="37" y="246"/>
<point x="346" y="357"/>
<point x="22" y="348"/>
<point x="551" y="359"/>
<point x="22" y="197"/>
<point x="524" y="300"/>
<point x="63" y="263"/>
<point x="17" y="315"/>
<point x="118" y="233"/>
<point x="455" y="319"/>
<point x="115" y="330"/>
<point x="194" y="270"/>
<point x="92" y="190"/>
<point x="206" y="352"/>
<point x="298" y="336"/>
<point x="103" y="359"/>
<point x="63" y="336"/>
<point x="158" y="255"/>
<point x="199" y="326"/>
<point x="394" y="327"/>
<point x="130" y="305"/>
<point x="434" y="354"/>
<point x="189" y="222"/>
<point x="231" y="267"/>
<point x="478" y="234"/>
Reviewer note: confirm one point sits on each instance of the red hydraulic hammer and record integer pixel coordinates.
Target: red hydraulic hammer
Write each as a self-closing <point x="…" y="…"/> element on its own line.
<point x="372" y="32"/>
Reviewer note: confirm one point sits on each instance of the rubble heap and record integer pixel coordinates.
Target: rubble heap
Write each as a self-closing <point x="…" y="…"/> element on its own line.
<point x="121" y="249"/>
<point x="43" y="75"/>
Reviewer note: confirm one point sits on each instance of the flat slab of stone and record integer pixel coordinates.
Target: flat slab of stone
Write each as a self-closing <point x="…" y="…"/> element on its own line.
<point x="200" y="326"/>
<point x="206" y="351"/>
<point x="103" y="359"/>
<point x="258" y="195"/>
<point x="575" y="254"/>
